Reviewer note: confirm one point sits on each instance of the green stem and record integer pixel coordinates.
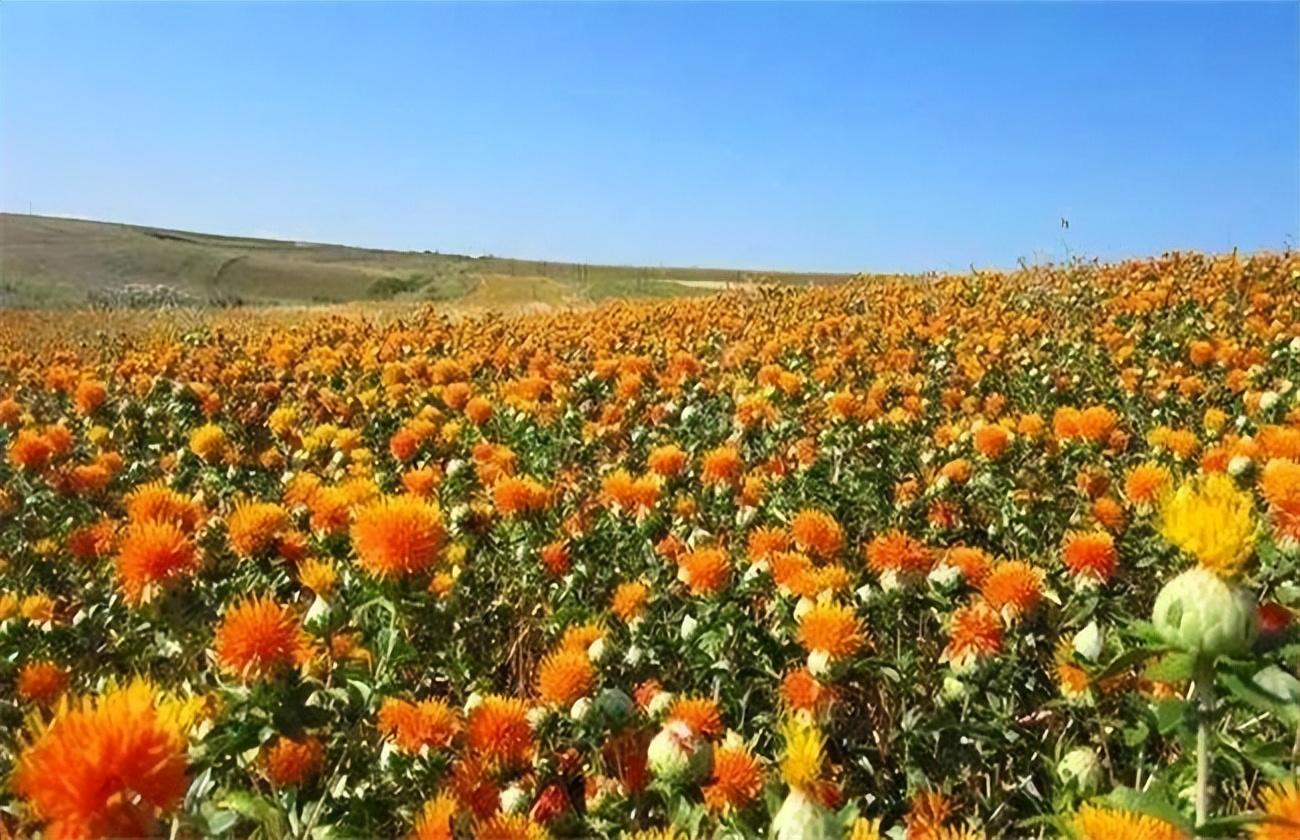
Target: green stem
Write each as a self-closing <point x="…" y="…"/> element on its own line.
<point x="1203" y="684"/>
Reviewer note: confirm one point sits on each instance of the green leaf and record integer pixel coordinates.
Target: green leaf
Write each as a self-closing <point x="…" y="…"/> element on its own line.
<point x="1278" y="683"/>
<point x="1126" y="660"/>
<point x="1172" y="667"/>
<point x="1256" y="697"/>
<point x="219" y="822"/>
<point x="1170" y="714"/>
<point x="1135" y="735"/>
<point x="257" y="808"/>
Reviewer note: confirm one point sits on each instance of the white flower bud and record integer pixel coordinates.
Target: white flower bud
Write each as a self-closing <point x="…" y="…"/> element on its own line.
<point x="819" y="663"/>
<point x="514" y="800"/>
<point x="944" y="576"/>
<point x="581" y="707"/>
<point x="1088" y="642"/>
<point x="659" y="704"/>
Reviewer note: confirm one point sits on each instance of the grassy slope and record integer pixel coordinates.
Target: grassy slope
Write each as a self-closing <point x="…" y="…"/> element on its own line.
<point x="53" y="261"/>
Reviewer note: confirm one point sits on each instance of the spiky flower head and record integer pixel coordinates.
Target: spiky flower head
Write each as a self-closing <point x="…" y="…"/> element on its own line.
<point x="397" y="536"/>
<point x="108" y="767"/>
<point x="802" y="759"/>
<point x="1281" y="805"/>
<point x="1094" y="822"/>
<point x="1210" y="519"/>
<point x="258" y="637"/>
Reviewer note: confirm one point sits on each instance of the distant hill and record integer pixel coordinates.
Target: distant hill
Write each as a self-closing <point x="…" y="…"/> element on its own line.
<point x="48" y="261"/>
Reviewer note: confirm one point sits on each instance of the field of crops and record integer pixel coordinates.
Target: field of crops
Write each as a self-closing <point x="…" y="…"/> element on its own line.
<point x="993" y="555"/>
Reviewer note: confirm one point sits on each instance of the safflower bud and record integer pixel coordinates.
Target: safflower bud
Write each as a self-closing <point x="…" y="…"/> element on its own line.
<point x="1203" y="614"/>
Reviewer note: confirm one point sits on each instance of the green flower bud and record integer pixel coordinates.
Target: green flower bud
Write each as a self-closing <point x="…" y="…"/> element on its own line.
<point x="1203" y="614"/>
<point x="677" y="756"/>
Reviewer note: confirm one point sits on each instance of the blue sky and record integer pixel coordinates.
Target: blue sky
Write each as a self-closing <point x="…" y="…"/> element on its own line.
<point x="837" y="137"/>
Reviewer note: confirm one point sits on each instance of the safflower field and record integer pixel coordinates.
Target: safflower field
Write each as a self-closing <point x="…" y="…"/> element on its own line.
<point x="978" y="556"/>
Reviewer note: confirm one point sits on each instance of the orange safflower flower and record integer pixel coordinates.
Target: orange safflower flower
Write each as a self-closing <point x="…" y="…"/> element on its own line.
<point x="927" y="811"/>
<point x="209" y="442"/>
<point x="736" y="780"/>
<point x="414" y="726"/>
<point x="30" y="451"/>
<point x="153" y="554"/>
<point x="900" y="553"/>
<point x="258" y="637"/>
<point x="396" y="536"/>
<point x="478" y="410"/>
<point x="1097" y="422"/>
<point x="667" y="460"/>
<point x="1200" y="352"/>
<point x="555" y="558"/>
<point x="1095" y="822"/>
<point x="991" y="440"/>
<point x="288" y="762"/>
<point x="1109" y="513"/>
<point x="975" y="632"/>
<point x="1145" y="483"/>
<point x="789" y="570"/>
<point x="629" y="600"/>
<point x="973" y="563"/>
<point x="91" y="541"/>
<point x="705" y="571"/>
<point x="699" y="713"/>
<point x="422" y="481"/>
<point x="254" y="527"/>
<point x="1279" y="484"/>
<point x="1030" y="426"/>
<point x="1065" y="423"/>
<point x="59" y="439"/>
<point x="11" y="413"/>
<point x="497" y="729"/>
<point x="957" y="471"/>
<point x="1281" y="806"/>
<point x="435" y="819"/>
<point x="564" y="676"/>
<point x="515" y="495"/>
<point x="1274" y="442"/>
<point x="831" y="628"/>
<point x="637" y="495"/>
<point x="801" y="691"/>
<point x="510" y="827"/>
<point x="1013" y="587"/>
<point x="87" y="479"/>
<point x="319" y="576"/>
<point x="1091" y="556"/>
<point x="42" y="682"/>
<point x="765" y="541"/>
<point x="89" y="396"/>
<point x="722" y="465"/>
<point x="331" y="510"/>
<point x="108" y="767"/>
<point x="581" y="636"/>
<point x="817" y="533"/>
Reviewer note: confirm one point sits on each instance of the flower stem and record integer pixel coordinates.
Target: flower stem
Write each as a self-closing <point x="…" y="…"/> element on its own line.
<point x="1203" y="683"/>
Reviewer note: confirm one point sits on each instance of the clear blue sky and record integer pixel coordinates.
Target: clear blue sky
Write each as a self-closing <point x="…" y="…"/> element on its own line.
<point x="839" y="137"/>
